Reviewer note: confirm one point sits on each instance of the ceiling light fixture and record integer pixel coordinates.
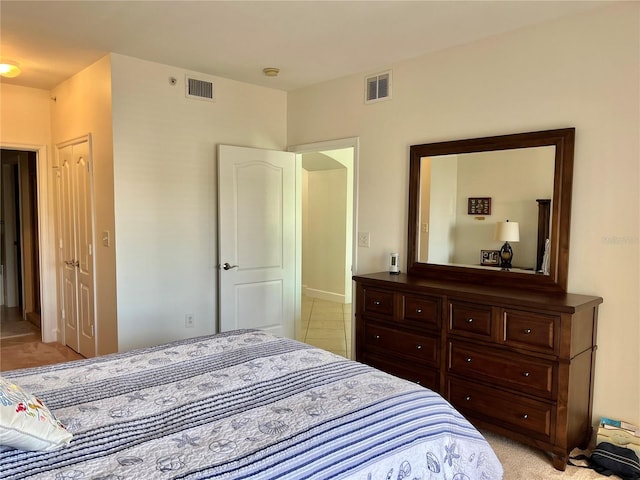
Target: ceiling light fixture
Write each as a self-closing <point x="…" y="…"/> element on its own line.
<point x="9" y="69"/>
<point x="271" y="71"/>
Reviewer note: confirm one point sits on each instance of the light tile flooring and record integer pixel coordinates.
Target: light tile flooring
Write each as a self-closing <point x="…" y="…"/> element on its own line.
<point x="326" y="325"/>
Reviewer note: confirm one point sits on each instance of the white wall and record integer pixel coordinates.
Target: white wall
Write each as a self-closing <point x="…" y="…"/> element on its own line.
<point x="443" y="199"/>
<point x="578" y="72"/>
<point x="9" y="247"/>
<point x="514" y="179"/>
<point x="166" y="194"/>
<point x="83" y="106"/>
<point x="323" y="234"/>
<point x="25" y="117"/>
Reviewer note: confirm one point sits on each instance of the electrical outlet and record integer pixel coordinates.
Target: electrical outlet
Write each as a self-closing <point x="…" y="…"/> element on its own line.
<point x="364" y="239"/>
<point x="189" y="320"/>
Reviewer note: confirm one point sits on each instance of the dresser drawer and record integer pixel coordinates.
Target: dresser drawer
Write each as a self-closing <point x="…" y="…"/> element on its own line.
<point x="470" y="319"/>
<point x="388" y="341"/>
<point x="530" y="330"/>
<point x="520" y="372"/>
<point x="531" y="417"/>
<point x="378" y="302"/>
<point x="425" y="376"/>
<point x="422" y="310"/>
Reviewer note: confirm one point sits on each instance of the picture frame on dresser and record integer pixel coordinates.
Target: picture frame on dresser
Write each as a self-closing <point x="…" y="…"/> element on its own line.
<point x="490" y="258"/>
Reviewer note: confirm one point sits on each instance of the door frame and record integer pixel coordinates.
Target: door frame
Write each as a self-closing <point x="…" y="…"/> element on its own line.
<point x="350" y="142"/>
<point x="46" y="227"/>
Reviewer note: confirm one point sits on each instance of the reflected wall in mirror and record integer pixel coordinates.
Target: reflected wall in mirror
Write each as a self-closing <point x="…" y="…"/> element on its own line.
<point x="513" y="179"/>
<point x="528" y="178"/>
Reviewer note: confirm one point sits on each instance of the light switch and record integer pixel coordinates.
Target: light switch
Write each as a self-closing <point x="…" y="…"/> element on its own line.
<point x="106" y="239"/>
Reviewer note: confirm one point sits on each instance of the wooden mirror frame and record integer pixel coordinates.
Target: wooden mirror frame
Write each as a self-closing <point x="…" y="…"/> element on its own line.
<point x="556" y="281"/>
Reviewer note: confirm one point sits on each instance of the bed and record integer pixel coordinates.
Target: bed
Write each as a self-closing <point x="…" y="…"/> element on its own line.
<point x="243" y="404"/>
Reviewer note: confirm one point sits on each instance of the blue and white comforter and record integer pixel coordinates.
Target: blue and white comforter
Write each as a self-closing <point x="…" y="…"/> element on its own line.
<point x="245" y="404"/>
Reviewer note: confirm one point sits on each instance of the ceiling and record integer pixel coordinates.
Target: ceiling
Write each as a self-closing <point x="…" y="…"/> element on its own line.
<point x="309" y="41"/>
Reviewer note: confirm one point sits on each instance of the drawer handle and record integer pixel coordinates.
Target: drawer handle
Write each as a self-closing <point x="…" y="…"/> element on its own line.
<point x="525" y="416"/>
<point x="469" y="320"/>
<point x="525" y="374"/>
<point x="418" y="347"/>
<point x="377" y="302"/>
<point x="468" y="359"/>
<point x="468" y="398"/>
<point x="376" y="337"/>
<point x="527" y="331"/>
<point x="418" y="310"/>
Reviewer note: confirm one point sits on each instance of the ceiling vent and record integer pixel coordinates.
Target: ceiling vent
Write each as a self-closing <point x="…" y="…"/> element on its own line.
<point x="199" y="89"/>
<point x="377" y="87"/>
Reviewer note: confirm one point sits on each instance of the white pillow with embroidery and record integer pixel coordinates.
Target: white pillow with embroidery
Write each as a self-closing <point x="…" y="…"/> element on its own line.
<point x="26" y="423"/>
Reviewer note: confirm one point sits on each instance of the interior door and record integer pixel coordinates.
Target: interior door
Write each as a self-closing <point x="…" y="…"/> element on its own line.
<point x="256" y="239"/>
<point x="67" y="249"/>
<point x="76" y="248"/>
<point x="84" y="249"/>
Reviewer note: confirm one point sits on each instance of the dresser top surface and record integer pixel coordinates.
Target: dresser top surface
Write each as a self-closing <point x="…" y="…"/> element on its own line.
<point x="569" y="302"/>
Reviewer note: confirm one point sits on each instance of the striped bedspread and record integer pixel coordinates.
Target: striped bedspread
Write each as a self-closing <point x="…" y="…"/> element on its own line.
<point x="245" y="404"/>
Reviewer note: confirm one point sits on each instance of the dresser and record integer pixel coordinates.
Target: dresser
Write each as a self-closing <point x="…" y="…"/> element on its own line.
<point x="514" y="362"/>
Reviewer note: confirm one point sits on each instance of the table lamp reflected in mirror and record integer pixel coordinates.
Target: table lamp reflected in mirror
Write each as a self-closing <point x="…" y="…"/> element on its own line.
<point x="507" y="232"/>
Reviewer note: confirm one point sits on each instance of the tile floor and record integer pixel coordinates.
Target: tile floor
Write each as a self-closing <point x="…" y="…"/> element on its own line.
<point x="326" y="325"/>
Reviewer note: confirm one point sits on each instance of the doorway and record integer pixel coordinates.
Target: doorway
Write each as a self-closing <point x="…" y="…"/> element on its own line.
<point x="20" y="279"/>
<point x="327" y="232"/>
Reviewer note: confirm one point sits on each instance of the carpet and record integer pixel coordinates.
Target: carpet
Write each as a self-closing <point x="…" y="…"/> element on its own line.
<point x="521" y="462"/>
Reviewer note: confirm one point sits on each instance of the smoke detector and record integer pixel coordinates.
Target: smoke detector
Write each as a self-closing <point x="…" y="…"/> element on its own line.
<point x="271" y="71"/>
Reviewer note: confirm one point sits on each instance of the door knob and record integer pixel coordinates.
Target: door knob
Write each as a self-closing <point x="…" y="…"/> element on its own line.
<point x="226" y="266"/>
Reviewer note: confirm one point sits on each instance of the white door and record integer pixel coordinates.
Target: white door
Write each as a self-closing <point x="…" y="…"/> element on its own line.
<point x="84" y="249"/>
<point x="68" y="308"/>
<point x="256" y="239"/>
<point x="76" y="248"/>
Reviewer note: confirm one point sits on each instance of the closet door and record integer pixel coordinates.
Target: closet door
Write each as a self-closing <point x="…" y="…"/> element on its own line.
<point x="84" y="249"/>
<point x="66" y="209"/>
<point x="76" y="248"/>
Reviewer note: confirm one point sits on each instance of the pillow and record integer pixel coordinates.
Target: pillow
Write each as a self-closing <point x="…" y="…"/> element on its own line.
<point x="26" y="423"/>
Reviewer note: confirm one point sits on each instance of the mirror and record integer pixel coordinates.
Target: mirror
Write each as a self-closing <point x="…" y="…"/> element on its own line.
<point x="460" y="190"/>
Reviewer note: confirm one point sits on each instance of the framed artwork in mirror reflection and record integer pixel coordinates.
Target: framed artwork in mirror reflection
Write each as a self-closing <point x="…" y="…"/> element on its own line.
<point x="479" y="206"/>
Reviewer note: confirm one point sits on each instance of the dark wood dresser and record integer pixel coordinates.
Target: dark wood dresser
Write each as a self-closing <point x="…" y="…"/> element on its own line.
<point x="517" y="363"/>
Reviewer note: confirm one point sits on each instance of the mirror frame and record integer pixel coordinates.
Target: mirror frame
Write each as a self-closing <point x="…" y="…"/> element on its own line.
<point x="556" y="281"/>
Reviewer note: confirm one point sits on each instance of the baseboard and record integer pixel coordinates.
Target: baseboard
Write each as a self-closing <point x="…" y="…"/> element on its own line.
<point x="323" y="295"/>
<point x="34" y="318"/>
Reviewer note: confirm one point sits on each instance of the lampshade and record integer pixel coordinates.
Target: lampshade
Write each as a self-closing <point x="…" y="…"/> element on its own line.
<point x="9" y="69"/>
<point x="507" y="231"/>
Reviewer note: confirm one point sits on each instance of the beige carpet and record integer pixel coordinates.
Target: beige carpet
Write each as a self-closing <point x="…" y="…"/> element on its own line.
<point x="524" y="463"/>
<point x="31" y="352"/>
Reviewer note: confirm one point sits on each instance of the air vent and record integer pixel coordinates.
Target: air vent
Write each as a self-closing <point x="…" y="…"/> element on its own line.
<point x="199" y="89"/>
<point x="377" y="87"/>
